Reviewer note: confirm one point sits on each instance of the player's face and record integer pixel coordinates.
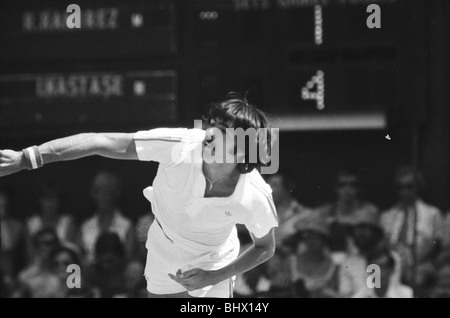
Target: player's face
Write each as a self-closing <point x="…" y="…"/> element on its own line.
<point x="218" y="141"/>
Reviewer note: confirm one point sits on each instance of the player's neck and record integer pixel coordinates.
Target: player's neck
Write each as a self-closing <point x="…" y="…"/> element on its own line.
<point x="221" y="179"/>
<point x="216" y="170"/>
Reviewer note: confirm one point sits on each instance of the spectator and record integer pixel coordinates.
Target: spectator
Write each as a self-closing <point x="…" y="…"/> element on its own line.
<point x="135" y="284"/>
<point x="314" y="272"/>
<point x="413" y="229"/>
<point x="108" y="217"/>
<point x="289" y="210"/>
<point x="12" y="256"/>
<point x="277" y="271"/>
<point x="50" y="215"/>
<point x="60" y="258"/>
<point x="37" y="281"/>
<point x="4" y="290"/>
<point x="446" y="232"/>
<point x="442" y="286"/>
<point x="142" y="226"/>
<point x="390" y="286"/>
<point x="341" y="213"/>
<point x="366" y="235"/>
<point x="107" y="274"/>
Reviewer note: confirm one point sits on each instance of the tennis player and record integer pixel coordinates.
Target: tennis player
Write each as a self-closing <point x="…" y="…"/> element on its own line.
<point x="197" y="196"/>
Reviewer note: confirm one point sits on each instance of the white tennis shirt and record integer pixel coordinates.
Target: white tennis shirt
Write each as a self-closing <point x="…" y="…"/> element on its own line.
<point x="195" y="223"/>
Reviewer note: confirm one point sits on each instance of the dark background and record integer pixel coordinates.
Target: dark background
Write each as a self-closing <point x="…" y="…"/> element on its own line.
<point x="189" y="53"/>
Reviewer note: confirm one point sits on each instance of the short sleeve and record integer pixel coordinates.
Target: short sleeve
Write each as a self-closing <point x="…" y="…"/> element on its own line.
<point x="163" y="144"/>
<point x="263" y="215"/>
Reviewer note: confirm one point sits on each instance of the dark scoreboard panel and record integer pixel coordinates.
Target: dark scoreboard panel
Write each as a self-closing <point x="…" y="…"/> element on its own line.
<point x="311" y="64"/>
<point x="118" y="71"/>
<point x="88" y="99"/>
<point x="109" y="29"/>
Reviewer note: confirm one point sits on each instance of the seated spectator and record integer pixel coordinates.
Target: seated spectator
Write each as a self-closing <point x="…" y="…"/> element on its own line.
<point x="390" y="285"/>
<point x="135" y="283"/>
<point x="314" y="274"/>
<point x="341" y="213"/>
<point x="289" y="210"/>
<point x="37" y="281"/>
<point x="141" y="230"/>
<point x="4" y="290"/>
<point x="108" y="217"/>
<point x="277" y="271"/>
<point x="60" y="258"/>
<point x="13" y="242"/>
<point x="446" y="232"/>
<point x="106" y="276"/>
<point x="366" y="235"/>
<point x="51" y="216"/>
<point x="442" y="285"/>
<point x="413" y="229"/>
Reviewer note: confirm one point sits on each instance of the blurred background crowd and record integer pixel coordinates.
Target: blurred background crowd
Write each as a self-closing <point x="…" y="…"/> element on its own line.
<point x="322" y="251"/>
<point x="108" y="247"/>
<point x="331" y="250"/>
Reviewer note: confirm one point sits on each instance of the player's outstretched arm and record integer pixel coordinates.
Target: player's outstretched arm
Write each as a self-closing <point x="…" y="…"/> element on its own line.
<point x="110" y="145"/>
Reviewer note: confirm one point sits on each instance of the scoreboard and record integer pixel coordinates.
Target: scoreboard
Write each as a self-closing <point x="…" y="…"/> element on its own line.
<point x="115" y="72"/>
<point x="310" y="64"/>
<point x="314" y="64"/>
<point x="38" y="30"/>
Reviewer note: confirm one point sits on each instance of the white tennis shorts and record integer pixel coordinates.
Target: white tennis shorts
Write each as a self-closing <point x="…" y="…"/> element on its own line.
<point x="164" y="257"/>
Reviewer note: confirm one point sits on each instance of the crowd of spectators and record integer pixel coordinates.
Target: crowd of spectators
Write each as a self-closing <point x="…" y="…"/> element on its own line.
<point x="349" y="248"/>
<point x="341" y="249"/>
<point x="38" y="252"/>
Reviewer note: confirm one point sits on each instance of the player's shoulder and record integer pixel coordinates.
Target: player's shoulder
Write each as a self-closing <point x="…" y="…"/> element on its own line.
<point x="171" y="134"/>
<point x="259" y="186"/>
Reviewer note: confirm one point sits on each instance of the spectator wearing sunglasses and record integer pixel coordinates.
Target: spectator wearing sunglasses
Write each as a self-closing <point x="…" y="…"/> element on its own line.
<point x="413" y="229"/>
<point x="342" y="212"/>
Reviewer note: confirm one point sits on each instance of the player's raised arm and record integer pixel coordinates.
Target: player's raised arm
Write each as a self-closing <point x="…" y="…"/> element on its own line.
<point x="110" y="145"/>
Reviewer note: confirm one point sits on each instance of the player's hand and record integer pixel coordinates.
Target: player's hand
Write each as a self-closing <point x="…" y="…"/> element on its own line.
<point x="10" y="162"/>
<point x="195" y="278"/>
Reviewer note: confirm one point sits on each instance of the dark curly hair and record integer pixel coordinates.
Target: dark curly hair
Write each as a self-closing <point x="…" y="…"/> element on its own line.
<point x="236" y="112"/>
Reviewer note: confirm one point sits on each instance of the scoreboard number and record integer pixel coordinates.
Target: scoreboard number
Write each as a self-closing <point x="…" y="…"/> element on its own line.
<point x="318" y="25"/>
<point x="317" y="82"/>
